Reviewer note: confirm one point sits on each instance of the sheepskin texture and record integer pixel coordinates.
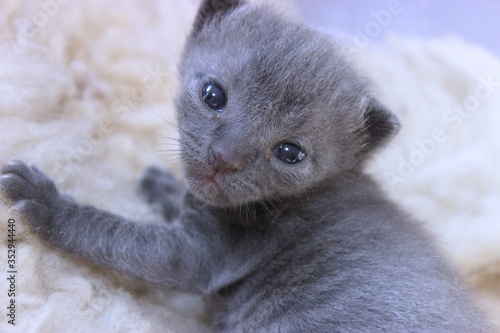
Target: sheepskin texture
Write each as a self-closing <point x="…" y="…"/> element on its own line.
<point x="86" y="93"/>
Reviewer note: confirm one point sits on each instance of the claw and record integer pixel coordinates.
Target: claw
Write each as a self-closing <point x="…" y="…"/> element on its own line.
<point x="16" y="167"/>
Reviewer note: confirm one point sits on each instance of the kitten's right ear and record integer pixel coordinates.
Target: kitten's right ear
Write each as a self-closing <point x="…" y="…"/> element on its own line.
<point x="209" y="9"/>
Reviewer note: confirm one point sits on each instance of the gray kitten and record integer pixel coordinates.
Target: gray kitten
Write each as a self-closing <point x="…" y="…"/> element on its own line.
<point x="280" y="229"/>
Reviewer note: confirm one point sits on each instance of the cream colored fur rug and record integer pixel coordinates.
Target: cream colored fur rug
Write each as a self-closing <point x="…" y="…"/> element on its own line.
<point x="86" y="89"/>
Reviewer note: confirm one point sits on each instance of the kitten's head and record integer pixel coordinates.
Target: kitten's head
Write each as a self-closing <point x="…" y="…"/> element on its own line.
<point x="268" y="108"/>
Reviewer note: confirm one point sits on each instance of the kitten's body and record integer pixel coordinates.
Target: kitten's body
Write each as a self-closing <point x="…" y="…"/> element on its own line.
<point x="277" y="242"/>
<point x="360" y="265"/>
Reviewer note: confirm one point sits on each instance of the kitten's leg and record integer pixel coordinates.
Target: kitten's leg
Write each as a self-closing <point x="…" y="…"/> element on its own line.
<point x="173" y="255"/>
<point x="163" y="191"/>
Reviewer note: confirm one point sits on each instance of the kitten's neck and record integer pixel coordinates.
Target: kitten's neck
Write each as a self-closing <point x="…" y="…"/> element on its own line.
<point x="331" y="194"/>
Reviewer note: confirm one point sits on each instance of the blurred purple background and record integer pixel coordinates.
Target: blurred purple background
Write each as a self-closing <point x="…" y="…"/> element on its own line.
<point x="475" y="21"/>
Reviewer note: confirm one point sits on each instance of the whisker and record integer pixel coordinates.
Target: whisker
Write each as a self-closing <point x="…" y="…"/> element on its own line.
<point x="170" y="158"/>
<point x="254" y="211"/>
<point x="170" y="155"/>
<point x="174" y="163"/>
<point x="170" y="142"/>
<point x="175" y="137"/>
<point x="185" y="132"/>
<point x="169" y="149"/>
<point x="170" y="121"/>
<point x="163" y="114"/>
<point x="246" y="212"/>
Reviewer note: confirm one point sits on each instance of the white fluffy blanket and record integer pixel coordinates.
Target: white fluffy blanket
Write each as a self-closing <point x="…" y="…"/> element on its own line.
<point x="85" y="91"/>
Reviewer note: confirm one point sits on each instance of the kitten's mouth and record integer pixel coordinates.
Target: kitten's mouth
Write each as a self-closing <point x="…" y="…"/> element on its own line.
<point x="212" y="180"/>
<point x="210" y="187"/>
<point x="215" y="187"/>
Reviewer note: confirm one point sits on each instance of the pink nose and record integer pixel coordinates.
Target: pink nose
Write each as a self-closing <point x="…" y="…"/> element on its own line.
<point x="226" y="158"/>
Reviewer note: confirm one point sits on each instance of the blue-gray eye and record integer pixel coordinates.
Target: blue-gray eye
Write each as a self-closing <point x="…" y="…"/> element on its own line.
<point x="214" y="96"/>
<point x="289" y="153"/>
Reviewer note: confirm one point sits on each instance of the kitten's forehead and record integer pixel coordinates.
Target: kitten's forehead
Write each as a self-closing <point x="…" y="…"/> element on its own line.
<point x="270" y="65"/>
<point x="254" y="48"/>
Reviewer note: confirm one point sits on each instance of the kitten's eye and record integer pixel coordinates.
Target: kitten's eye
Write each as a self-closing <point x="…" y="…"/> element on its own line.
<point x="213" y="95"/>
<point x="289" y="153"/>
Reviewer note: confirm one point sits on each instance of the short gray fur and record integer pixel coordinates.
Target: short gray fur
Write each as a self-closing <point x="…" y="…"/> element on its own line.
<point x="308" y="247"/>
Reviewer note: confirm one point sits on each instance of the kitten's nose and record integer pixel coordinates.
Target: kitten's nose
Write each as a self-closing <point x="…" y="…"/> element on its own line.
<point x="226" y="158"/>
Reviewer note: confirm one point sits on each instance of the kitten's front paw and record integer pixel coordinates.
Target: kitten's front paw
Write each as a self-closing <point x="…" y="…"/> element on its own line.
<point x="33" y="193"/>
<point x="163" y="191"/>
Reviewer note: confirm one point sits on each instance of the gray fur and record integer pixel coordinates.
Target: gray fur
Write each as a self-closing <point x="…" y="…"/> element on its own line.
<point x="307" y="247"/>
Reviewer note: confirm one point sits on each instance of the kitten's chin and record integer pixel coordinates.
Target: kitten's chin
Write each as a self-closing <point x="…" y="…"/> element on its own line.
<point x="211" y="193"/>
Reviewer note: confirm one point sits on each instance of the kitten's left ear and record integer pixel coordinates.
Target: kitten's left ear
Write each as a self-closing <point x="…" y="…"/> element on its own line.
<point x="379" y="125"/>
<point x="209" y="9"/>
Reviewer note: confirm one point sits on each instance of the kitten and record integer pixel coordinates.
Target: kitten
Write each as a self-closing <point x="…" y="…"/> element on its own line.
<point x="280" y="228"/>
